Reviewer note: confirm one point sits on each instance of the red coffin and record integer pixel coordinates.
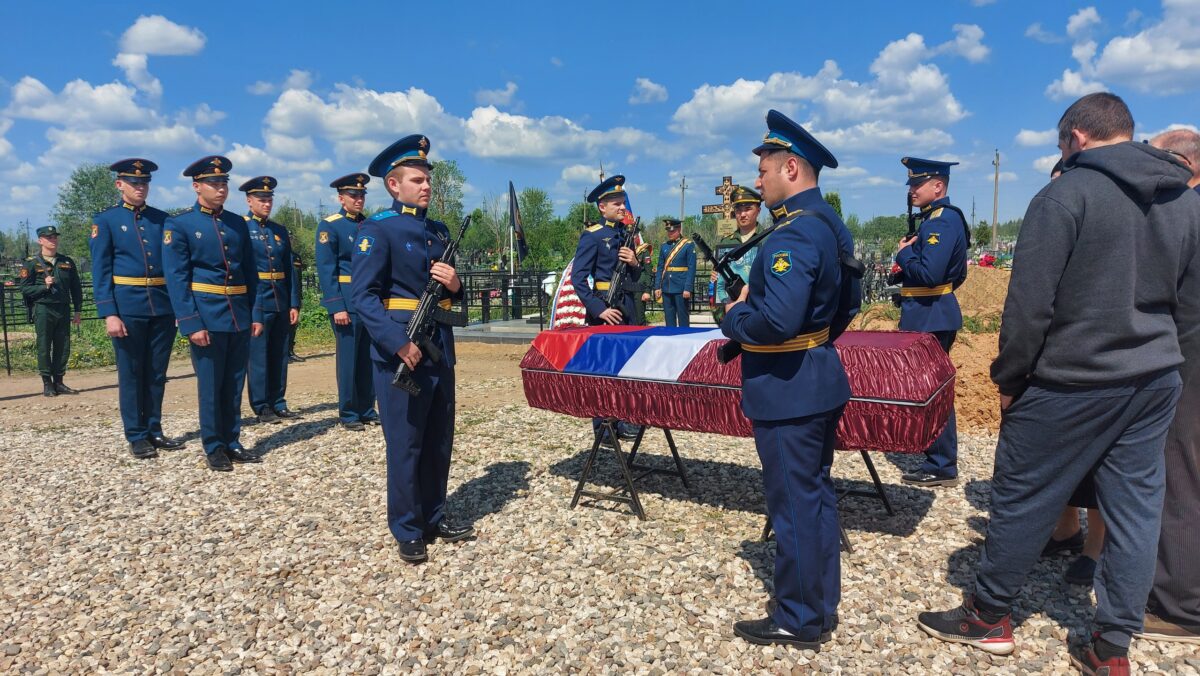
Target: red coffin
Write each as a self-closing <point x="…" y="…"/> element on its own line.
<point x="902" y="390"/>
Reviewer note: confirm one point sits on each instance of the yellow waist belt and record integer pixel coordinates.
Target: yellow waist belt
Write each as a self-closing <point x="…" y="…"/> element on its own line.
<point x="344" y="279"/>
<point x="272" y="275"/>
<point x="602" y="286"/>
<point x="140" y="281"/>
<point x="940" y="290"/>
<point x="218" y="289"/>
<point x="410" y="303"/>
<point x="804" y="341"/>
<point x="676" y="269"/>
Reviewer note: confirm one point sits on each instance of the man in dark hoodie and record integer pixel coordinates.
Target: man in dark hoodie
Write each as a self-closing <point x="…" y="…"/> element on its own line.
<point x="1088" y="373"/>
<point x="1173" y="610"/>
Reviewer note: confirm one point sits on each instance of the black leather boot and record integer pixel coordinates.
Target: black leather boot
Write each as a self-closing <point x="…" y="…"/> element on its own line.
<point x="48" y="387"/>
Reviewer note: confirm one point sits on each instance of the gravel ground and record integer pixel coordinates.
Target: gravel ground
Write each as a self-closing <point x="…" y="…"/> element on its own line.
<point x="111" y="564"/>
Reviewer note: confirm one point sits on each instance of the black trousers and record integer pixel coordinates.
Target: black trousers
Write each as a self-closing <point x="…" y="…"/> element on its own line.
<point x="1175" y="595"/>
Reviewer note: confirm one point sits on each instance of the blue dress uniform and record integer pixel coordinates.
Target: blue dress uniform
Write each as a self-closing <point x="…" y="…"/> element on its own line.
<point x="595" y="261"/>
<point x="931" y="269"/>
<point x="596" y="258"/>
<point x="336" y="235"/>
<point x="794" y="389"/>
<point x="392" y="257"/>
<point x="128" y="282"/>
<point x="213" y="282"/>
<point x="278" y="294"/>
<point x="676" y="274"/>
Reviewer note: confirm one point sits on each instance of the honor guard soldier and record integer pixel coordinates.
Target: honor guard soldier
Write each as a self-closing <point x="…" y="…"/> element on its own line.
<point x="933" y="263"/>
<point x="747" y="204"/>
<point x="396" y="253"/>
<point x="213" y="283"/>
<point x="50" y="285"/>
<point x="278" y="305"/>
<point x="130" y="289"/>
<point x="799" y="298"/>
<point x="334" y="252"/>
<point x="676" y="274"/>
<point x="596" y="259"/>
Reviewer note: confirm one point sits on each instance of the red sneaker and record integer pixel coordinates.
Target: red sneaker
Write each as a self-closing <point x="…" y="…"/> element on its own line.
<point x="963" y="625"/>
<point x="1084" y="657"/>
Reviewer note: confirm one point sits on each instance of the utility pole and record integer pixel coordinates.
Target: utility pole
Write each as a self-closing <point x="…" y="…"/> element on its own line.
<point x="683" y="186"/>
<point x="996" y="200"/>
<point x="601" y="172"/>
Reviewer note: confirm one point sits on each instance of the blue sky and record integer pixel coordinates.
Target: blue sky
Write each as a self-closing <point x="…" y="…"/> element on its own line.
<point x="543" y="94"/>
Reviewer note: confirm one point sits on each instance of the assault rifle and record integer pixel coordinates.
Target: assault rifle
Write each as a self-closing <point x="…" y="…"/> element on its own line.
<point x="616" y="288"/>
<point x="427" y="316"/>
<point x="733" y="283"/>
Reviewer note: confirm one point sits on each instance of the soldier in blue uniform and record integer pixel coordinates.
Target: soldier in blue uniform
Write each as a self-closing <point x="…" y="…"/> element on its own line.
<point x="334" y="252"/>
<point x="211" y="276"/>
<point x="676" y="274"/>
<point x="799" y="298"/>
<point x="932" y="265"/>
<point x="277" y="307"/>
<point x="396" y="253"/>
<point x="596" y="258"/>
<point x="131" y="295"/>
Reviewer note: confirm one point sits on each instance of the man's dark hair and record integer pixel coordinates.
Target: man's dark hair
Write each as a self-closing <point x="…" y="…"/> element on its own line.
<point x="1101" y="115"/>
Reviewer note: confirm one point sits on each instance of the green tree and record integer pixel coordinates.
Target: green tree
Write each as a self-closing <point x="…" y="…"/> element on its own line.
<point x="835" y="201"/>
<point x="89" y="189"/>
<point x="446" y="199"/>
<point x="981" y="235"/>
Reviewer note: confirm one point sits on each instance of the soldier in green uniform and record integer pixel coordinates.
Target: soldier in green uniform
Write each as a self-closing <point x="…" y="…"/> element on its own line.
<point x="645" y="285"/>
<point x="50" y="284"/>
<point x="746" y="205"/>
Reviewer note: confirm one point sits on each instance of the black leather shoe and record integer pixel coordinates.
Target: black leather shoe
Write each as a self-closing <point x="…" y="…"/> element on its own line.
<point x="283" y="413"/>
<point x="141" y="449"/>
<point x="295" y="358"/>
<point x="413" y="551"/>
<point x="166" y="443"/>
<point x="353" y="425"/>
<point x="241" y="455"/>
<point x="60" y="388"/>
<point x="218" y="461"/>
<point x="48" y="387"/>
<point x="928" y="479"/>
<point x="269" y="416"/>
<point x="772" y="604"/>
<point x="372" y="421"/>
<point x="766" y="632"/>
<point x="450" y="533"/>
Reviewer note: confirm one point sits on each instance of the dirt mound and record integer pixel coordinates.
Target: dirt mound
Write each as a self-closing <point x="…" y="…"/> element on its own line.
<point x="984" y="291"/>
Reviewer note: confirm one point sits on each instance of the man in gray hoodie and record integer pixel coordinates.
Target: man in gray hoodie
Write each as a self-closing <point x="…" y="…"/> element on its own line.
<point x="1088" y="373"/>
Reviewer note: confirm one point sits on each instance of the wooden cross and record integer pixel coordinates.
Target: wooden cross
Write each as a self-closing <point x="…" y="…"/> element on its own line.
<point x="725" y="208"/>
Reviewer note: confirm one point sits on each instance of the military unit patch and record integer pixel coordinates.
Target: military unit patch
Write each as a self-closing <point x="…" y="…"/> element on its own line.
<point x="95" y="231"/>
<point x="781" y="263"/>
<point x="364" y="245"/>
<point x="323" y="238"/>
<point x="166" y="236"/>
<point x="24" y="273"/>
<point x="934" y="238"/>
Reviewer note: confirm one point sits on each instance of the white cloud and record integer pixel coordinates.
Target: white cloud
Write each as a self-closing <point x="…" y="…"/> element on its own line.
<point x="907" y="91"/>
<point x="492" y="133"/>
<point x="154" y="35"/>
<point x="1081" y="22"/>
<point x="1005" y="176"/>
<point x="261" y="88"/>
<point x="883" y="136"/>
<point x="1030" y="138"/>
<point x="201" y="116"/>
<point x="70" y="146"/>
<point x="251" y="161"/>
<point x="6" y="148"/>
<point x="1140" y="135"/>
<point x="136" y="73"/>
<point x="298" y="79"/>
<point x="647" y="91"/>
<point x="1163" y="58"/>
<point x="1036" y="32"/>
<point x="497" y="97"/>
<point x="1073" y="85"/>
<point x="968" y="43"/>
<point x="159" y="35"/>
<point x="79" y="104"/>
<point x="579" y="173"/>
<point x="1045" y="163"/>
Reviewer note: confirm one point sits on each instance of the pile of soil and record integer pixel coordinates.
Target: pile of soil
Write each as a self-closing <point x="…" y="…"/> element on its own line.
<point x="984" y="291"/>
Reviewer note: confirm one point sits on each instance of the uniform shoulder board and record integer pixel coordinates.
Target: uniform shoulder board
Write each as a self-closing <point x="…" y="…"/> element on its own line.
<point x="332" y="217"/>
<point x="29" y="258"/>
<point x="936" y="213"/>
<point x="386" y="213"/>
<point x="246" y="218"/>
<point x="593" y="228"/>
